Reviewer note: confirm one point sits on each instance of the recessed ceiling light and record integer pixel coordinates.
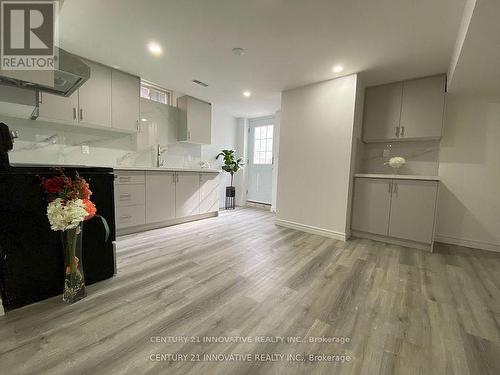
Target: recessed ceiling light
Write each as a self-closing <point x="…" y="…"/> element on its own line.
<point x="238" y="51"/>
<point x="154" y="48"/>
<point x="144" y="119"/>
<point x="247" y="94"/>
<point x="338" y="68"/>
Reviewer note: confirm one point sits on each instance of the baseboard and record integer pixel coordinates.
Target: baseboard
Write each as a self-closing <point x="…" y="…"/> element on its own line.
<point x="262" y="206"/>
<point x="393" y="240"/>
<point x="474" y="244"/>
<point x="163" y="224"/>
<point x="311" y="229"/>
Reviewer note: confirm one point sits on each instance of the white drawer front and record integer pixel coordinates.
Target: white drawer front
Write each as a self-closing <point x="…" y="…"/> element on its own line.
<point x="129" y="195"/>
<point x="123" y="178"/>
<point x="130" y="216"/>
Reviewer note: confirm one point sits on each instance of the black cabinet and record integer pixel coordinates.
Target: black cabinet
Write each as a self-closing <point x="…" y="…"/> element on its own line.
<point x="31" y="257"/>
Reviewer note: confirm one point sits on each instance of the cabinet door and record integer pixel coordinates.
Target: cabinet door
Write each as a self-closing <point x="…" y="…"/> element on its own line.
<point x="125" y="90"/>
<point x="199" y="121"/>
<point x="94" y="97"/>
<point x="371" y="205"/>
<point x="382" y="112"/>
<point x="209" y="192"/>
<point x="160" y="196"/>
<point x="59" y="108"/>
<point x="422" y="108"/>
<point x="412" y="210"/>
<point x="187" y="195"/>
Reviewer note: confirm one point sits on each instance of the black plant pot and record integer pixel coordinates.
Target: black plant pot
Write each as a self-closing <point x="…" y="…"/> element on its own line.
<point x="230" y="197"/>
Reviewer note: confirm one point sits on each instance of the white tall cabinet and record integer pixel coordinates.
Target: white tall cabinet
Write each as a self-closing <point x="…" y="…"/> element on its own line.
<point x="395" y="209"/>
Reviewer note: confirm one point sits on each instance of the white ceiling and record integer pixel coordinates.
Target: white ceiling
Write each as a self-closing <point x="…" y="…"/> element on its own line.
<point x="288" y="43"/>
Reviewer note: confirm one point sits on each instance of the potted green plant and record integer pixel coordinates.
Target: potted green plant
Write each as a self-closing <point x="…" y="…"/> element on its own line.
<point x="231" y="165"/>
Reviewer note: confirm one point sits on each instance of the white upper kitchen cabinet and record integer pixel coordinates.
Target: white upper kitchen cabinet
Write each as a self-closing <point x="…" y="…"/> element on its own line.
<point x="382" y="112"/>
<point x="209" y="192"/>
<point x="160" y="196"/>
<point x="58" y="108"/>
<point x="94" y="97"/>
<point x="125" y="93"/>
<point x="422" y="109"/>
<point x="371" y="205"/>
<point x="187" y="195"/>
<point x="409" y="110"/>
<point x="195" y="120"/>
<point x="413" y="210"/>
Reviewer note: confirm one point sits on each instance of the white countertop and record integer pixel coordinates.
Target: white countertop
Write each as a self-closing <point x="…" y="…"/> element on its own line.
<point x="398" y="176"/>
<point x="168" y="169"/>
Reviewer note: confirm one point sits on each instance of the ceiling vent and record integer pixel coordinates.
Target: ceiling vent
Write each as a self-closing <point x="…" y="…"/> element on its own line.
<point x="203" y="84"/>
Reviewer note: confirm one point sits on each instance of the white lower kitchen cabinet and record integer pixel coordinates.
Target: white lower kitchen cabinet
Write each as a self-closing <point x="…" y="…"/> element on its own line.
<point x="187" y="197"/>
<point x="209" y="193"/>
<point x="372" y="204"/>
<point x="397" y="210"/>
<point x="160" y="196"/>
<point x="154" y="198"/>
<point x="412" y="210"/>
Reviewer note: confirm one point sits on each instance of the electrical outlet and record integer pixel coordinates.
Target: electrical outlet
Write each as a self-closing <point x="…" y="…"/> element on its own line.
<point x="85" y="149"/>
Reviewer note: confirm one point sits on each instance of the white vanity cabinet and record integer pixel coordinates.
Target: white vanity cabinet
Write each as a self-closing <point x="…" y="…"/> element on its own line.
<point x="158" y="197"/>
<point x="409" y="110"/>
<point x="395" y="210"/>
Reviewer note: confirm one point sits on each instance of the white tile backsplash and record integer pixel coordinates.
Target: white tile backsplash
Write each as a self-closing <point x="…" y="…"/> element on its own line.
<point x="53" y="143"/>
<point x="422" y="157"/>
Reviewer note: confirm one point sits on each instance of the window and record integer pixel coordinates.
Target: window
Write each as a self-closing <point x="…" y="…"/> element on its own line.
<point x="155" y="93"/>
<point x="263" y="145"/>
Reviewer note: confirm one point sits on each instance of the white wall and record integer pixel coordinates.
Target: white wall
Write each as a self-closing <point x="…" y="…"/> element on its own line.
<point x="314" y="171"/>
<point x="469" y="201"/>
<point x="224" y="130"/>
<point x="276" y="159"/>
<point x="241" y="151"/>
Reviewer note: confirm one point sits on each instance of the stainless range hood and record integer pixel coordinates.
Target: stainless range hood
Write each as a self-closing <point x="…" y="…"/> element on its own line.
<point x="72" y="72"/>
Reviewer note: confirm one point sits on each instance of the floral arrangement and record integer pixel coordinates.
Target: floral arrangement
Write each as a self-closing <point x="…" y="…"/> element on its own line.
<point x="69" y="201"/>
<point x="396" y="162"/>
<point x="69" y="205"/>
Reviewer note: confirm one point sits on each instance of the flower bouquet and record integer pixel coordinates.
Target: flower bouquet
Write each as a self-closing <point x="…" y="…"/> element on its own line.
<point x="70" y="205"/>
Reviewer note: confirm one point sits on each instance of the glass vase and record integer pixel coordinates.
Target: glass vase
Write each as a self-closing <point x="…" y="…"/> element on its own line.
<point x="74" y="280"/>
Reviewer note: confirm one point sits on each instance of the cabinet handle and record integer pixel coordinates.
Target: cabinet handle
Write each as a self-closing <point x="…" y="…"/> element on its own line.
<point x="402" y="131"/>
<point x="389" y="188"/>
<point x="397" y="131"/>
<point x="125" y="217"/>
<point x="138" y="126"/>
<point x="74" y="113"/>
<point x="396" y="189"/>
<point x="81" y="114"/>
<point x="125" y="196"/>
<point x="189" y="134"/>
<point x="173" y="178"/>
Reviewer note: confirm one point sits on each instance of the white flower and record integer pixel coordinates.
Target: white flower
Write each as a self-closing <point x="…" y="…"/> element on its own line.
<point x="397" y="162"/>
<point x="67" y="216"/>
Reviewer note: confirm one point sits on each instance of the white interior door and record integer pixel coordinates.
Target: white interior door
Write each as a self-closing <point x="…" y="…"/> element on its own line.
<point x="260" y="161"/>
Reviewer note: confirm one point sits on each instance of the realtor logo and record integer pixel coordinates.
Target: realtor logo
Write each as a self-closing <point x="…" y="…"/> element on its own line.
<point x="28" y="35"/>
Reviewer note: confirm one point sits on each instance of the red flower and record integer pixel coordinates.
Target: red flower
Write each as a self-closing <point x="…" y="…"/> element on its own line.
<point x="54" y="185"/>
<point x="90" y="208"/>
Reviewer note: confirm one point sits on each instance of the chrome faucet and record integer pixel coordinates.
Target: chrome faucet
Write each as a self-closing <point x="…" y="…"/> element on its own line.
<point x="159" y="151"/>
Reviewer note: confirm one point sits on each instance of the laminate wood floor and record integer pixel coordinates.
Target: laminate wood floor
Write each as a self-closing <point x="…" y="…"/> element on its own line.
<point x="392" y="310"/>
